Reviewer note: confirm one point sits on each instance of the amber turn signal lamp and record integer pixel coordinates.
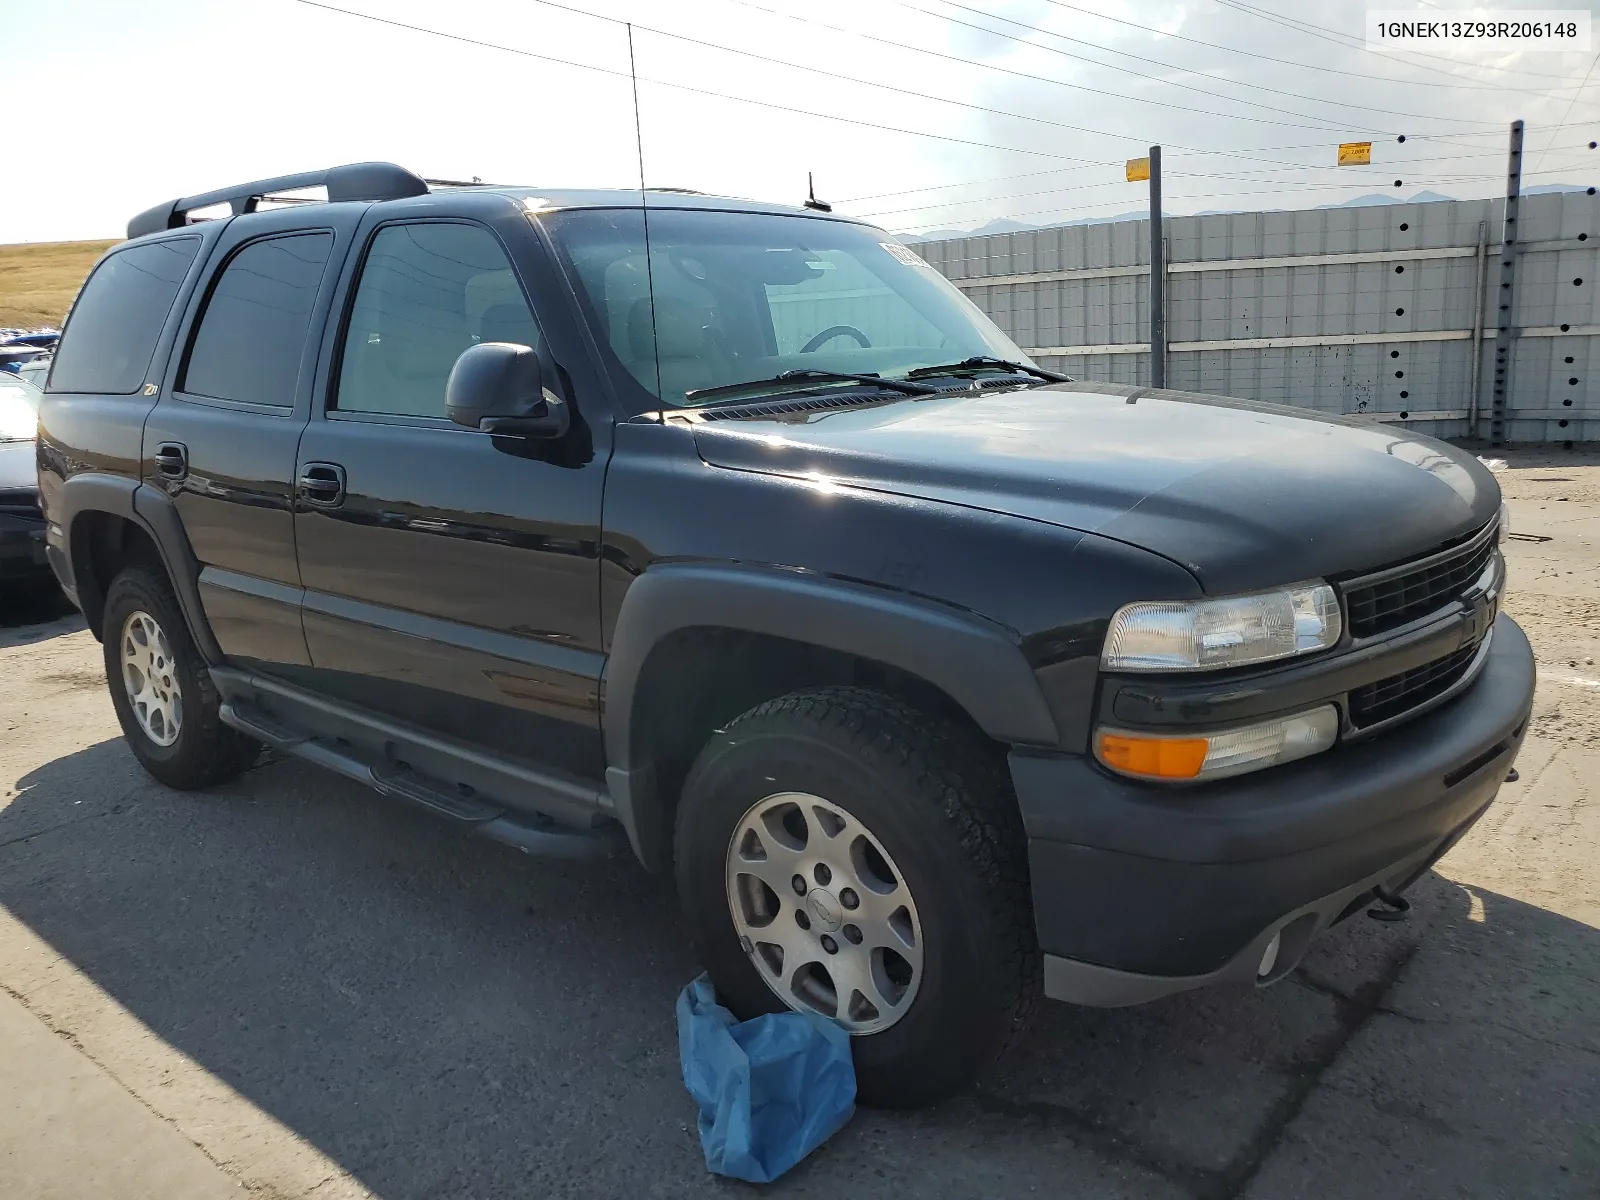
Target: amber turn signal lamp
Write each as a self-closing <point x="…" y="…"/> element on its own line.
<point x="1153" y="757"/>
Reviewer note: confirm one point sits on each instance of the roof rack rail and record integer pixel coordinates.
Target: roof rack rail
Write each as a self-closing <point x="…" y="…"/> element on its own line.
<point x="354" y="181"/>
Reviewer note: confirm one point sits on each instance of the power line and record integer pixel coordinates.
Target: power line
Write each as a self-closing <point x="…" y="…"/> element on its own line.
<point x="683" y="87"/>
<point x="750" y="4"/>
<point x="693" y="41"/>
<point x="1136" y="212"/>
<point x="1169" y="83"/>
<point x="939" y="187"/>
<point x="805" y="112"/>
<point x="1256" y="177"/>
<point x="856" y="33"/>
<point x="1339" y="39"/>
<point x="1444" y="140"/>
<point x="780" y="107"/>
<point x="1300" y="66"/>
<point x="1565" y="119"/>
<point x="1183" y="152"/>
<point x="1157" y="62"/>
<point x="1286" y="187"/>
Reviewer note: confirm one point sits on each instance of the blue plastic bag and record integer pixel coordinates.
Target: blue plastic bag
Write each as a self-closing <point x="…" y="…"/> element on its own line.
<point x="770" y="1090"/>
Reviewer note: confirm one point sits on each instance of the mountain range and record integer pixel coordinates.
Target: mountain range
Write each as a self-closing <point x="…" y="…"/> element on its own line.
<point x="1008" y="225"/>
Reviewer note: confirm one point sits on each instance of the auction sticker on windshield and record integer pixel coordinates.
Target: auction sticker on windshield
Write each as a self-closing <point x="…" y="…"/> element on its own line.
<point x="901" y="254"/>
<point x="1560" y="30"/>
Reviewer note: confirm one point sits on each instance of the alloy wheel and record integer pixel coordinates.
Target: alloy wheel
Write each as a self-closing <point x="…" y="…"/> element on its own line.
<point x="824" y="913"/>
<point x="150" y="679"/>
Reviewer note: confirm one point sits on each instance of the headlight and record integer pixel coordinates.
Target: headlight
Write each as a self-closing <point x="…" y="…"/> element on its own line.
<point x="1217" y="755"/>
<point x="1202" y="635"/>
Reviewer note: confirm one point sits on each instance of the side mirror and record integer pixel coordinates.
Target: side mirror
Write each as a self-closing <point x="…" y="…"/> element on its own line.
<point x="498" y="387"/>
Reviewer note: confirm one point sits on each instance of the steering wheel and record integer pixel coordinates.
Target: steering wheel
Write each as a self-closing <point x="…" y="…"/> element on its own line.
<point x="834" y="331"/>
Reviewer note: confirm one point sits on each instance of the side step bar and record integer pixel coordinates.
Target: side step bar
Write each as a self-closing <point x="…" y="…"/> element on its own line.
<point x="532" y="833"/>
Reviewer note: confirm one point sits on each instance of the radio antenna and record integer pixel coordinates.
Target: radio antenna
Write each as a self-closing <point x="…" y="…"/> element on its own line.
<point x="811" y="196"/>
<point x="644" y="216"/>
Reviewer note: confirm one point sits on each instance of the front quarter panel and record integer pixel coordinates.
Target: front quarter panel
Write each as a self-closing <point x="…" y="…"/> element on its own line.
<point x="1040" y="594"/>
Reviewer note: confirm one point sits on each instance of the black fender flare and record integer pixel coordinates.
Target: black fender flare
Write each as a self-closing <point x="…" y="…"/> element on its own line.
<point x="976" y="662"/>
<point x="154" y="513"/>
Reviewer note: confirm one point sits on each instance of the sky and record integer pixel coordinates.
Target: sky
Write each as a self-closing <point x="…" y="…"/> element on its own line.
<point x="917" y="114"/>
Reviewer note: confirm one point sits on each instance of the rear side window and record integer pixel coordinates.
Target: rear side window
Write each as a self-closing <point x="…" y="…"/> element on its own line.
<point x="111" y="337"/>
<point x="252" y="334"/>
<point x="427" y="292"/>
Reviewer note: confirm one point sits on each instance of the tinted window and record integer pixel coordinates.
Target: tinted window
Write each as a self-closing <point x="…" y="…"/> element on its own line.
<point x="427" y="292"/>
<point x="112" y="335"/>
<point x="253" y="331"/>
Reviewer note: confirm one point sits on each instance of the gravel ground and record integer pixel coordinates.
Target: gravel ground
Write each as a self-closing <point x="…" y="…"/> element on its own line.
<point x="311" y="992"/>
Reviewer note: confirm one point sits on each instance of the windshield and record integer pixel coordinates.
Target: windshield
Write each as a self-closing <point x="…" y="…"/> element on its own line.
<point x="19" y="408"/>
<point x="748" y="296"/>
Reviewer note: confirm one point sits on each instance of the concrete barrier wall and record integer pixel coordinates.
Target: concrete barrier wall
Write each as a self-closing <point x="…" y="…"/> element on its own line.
<point x="1344" y="310"/>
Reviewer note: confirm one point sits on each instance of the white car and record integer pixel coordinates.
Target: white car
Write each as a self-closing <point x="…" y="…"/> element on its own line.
<point x="22" y="554"/>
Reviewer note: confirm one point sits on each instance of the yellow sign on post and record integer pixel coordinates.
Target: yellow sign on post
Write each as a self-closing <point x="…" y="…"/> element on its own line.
<point x="1355" y="154"/>
<point x="1138" y="168"/>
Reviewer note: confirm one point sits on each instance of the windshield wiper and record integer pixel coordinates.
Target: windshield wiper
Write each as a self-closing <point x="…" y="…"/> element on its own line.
<point x="983" y="362"/>
<point x="808" y="375"/>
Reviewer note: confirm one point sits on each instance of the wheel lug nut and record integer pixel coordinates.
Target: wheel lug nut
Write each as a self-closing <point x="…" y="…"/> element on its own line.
<point x="848" y="898"/>
<point x="824" y="876"/>
<point x="801" y="919"/>
<point x="828" y="944"/>
<point x="799" y="883"/>
<point x="852" y="935"/>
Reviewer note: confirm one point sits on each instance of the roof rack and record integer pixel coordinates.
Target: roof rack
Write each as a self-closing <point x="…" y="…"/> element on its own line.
<point x="354" y="181"/>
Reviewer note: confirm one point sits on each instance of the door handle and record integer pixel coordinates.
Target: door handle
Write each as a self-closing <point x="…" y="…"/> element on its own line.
<point x="172" y="459"/>
<point x="322" y="484"/>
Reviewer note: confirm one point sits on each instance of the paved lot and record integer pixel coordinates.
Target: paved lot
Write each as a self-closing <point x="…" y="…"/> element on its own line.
<point x="291" y="988"/>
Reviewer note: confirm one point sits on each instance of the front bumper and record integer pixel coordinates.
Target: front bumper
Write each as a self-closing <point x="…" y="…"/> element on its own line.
<point x="22" y="549"/>
<point x="1140" y="891"/>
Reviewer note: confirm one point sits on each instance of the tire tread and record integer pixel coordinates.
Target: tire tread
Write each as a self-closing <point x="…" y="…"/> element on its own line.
<point x="965" y="782"/>
<point x="210" y="751"/>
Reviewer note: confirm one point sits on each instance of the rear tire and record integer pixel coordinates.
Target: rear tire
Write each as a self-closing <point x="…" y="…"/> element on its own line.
<point x="165" y="700"/>
<point x="856" y="792"/>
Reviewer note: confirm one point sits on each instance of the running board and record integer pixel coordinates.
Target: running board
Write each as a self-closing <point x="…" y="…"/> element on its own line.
<point x="259" y="725"/>
<point x="462" y="804"/>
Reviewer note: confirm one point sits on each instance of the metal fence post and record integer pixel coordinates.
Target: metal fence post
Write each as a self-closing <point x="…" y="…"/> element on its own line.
<point x="1158" y="271"/>
<point x="1505" y="293"/>
<point x="1475" y="389"/>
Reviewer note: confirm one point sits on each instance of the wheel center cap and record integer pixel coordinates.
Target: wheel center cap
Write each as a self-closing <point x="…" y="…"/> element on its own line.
<point x="825" y="910"/>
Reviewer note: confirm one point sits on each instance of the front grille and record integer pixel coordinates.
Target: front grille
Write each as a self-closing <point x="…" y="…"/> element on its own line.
<point x="1400" y="596"/>
<point x="1378" y="702"/>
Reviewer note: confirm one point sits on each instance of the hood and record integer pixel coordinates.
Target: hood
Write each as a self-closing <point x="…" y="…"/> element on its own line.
<point x="19" y="466"/>
<point x="1244" y="495"/>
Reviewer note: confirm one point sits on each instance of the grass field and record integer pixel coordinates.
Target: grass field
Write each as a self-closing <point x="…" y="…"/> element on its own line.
<point x="38" y="280"/>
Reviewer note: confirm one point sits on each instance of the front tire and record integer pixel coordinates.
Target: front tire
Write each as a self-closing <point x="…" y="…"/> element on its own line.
<point x="841" y="852"/>
<point x="165" y="700"/>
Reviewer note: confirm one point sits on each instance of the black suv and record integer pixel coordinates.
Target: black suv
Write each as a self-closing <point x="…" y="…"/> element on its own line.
<point x="735" y="531"/>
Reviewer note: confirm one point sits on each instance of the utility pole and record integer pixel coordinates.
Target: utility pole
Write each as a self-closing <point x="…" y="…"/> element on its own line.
<point x="1158" y="274"/>
<point x="1505" y="293"/>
